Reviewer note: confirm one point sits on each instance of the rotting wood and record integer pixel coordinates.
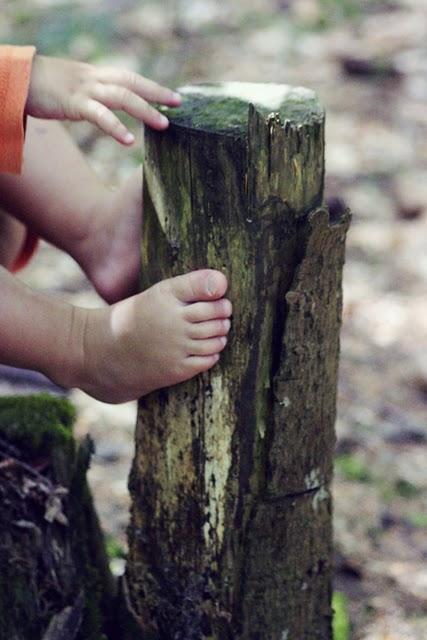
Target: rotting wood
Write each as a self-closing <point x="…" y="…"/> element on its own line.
<point x="230" y="535"/>
<point x="55" y="582"/>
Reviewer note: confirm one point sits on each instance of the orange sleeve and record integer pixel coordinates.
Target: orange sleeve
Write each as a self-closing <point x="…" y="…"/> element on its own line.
<point x="15" y="72"/>
<point x="31" y="242"/>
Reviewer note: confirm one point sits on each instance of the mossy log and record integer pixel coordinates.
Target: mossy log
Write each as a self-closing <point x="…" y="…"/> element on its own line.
<point x="230" y="535"/>
<point x="54" y="577"/>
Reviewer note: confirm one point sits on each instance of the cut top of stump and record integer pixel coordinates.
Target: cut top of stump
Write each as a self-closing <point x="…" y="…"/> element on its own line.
<point x="223" y="107"/>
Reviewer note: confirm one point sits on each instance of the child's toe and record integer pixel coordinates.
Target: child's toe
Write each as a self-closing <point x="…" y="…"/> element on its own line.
<point x="199" y="364"/>
<point x="205" y="284"/>
<point x="209" y="329"/>
<point x="208" y="347"/>
<point x="202" y="311"/>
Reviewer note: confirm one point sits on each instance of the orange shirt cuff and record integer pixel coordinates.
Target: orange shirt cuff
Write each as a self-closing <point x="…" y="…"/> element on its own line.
<point x="15" y="72"/>
<point x="31" y="242"/>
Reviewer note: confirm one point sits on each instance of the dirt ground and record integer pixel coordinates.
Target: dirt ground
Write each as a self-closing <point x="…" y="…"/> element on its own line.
<point x="367" y="60"/>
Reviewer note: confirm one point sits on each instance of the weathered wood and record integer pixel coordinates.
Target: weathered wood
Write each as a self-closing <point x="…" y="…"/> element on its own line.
<point x="230" y="534"/>
<point x="54" y="578"/>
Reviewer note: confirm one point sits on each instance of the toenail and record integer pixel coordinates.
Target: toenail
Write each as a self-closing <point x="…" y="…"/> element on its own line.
<point x="211" y="285"/>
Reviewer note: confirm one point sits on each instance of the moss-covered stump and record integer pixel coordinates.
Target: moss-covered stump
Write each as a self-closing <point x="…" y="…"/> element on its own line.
<point x="54" y="578"/>
<point x="230" y="536"/>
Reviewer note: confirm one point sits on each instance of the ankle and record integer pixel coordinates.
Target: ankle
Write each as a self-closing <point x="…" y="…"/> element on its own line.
<point x="68" y="368"/>
<point x="95" y="360"/>
<point x="80" y="243"/>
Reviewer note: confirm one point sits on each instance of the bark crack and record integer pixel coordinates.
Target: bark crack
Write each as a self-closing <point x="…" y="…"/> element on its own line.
<point x="290" y="496"/>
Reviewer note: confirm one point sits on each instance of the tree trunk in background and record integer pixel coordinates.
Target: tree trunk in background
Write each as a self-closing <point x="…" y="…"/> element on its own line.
<point x="230" y="536"/>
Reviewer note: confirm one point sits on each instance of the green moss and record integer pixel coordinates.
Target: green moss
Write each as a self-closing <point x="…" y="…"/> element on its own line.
<point x="340" y="621"/>
<point x="352" y="468"/>
<point x="36" y="423"/>
<point x="225" y="114"/>
<point x="218" y="114"/>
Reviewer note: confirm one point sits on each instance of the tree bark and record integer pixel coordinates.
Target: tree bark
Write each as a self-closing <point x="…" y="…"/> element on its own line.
<point x="54" y="578"/>
<point x="230" y="534"/>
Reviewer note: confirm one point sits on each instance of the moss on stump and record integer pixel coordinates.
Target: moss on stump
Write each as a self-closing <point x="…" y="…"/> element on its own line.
<point x="54" y="578"/>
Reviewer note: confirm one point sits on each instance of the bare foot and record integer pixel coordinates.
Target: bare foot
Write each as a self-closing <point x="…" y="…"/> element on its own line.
<point x="110" y="253"/>
<point x="163" y="336"/>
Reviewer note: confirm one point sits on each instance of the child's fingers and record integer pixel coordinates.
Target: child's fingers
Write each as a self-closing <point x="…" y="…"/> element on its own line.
<point x="99" y="115"/>
<point x="123" y="99"/>
<point x="143" y="87"/>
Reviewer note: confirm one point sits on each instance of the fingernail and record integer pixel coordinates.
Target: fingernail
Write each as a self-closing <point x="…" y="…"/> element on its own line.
<point x="128" y="138"/>
<point x="163" y="120"/>
<point x="211" y="285"/>
<point x="176" y="97"/>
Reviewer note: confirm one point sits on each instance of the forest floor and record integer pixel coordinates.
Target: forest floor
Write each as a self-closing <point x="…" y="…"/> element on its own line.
<point x="367" y="60"/>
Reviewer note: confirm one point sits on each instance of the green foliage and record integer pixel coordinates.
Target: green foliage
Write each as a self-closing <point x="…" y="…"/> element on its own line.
<point x="340" y="620"/>
<point x="352" y="468"/>
<point x="23" y="17"/>
<point x="114" y="548"/>
<point x="418" y="520"/>
<point x="54" y="31"/>
<point x="341" y="8"/>
<point x="406" y="489"/>
<point x="335" y="11"/>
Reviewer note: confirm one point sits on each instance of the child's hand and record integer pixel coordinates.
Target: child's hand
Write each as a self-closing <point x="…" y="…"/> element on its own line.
<point x="69" y="90"/>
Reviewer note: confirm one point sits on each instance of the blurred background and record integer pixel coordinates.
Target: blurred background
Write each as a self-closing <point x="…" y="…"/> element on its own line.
<point x="367" y="60"/>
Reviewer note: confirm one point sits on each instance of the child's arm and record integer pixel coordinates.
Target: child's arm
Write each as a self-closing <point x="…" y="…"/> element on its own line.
<point x="69" y="90"/>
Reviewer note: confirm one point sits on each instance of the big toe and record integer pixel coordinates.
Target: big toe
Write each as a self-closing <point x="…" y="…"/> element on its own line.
<point x="206" y="284"/>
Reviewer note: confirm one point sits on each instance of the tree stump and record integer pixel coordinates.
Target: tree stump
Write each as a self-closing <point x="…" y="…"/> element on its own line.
<point x="54" y="578"/>
<point x="230" y="534"/>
